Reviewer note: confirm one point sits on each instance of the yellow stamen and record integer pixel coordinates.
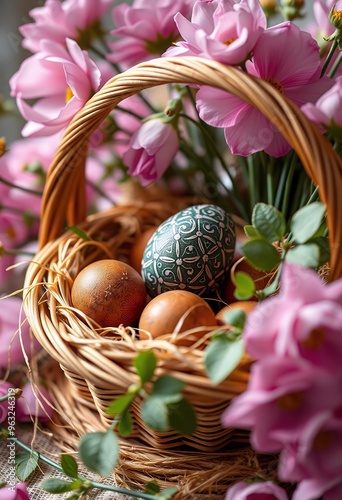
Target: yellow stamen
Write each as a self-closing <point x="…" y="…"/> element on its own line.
<point x="323" y="440"/>
<point x="68" y="94"/>
<point x="315" y="338"/>
<point x="337" y="14"/>
<point x="275" y="84"/>
<point x="290" y="402"/>
<point x="229" y="41"/>
<point x="10" y="233"/>
<point x="2" y="146"/>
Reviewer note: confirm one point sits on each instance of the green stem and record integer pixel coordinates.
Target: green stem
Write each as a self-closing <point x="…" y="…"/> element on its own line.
<point x="252" y="182"/>
<point x="335" y="65"/>
<point x="268" y="165"/>
<point x="236" y="196"/>
<point x="16" y="393"/>
<point x="94" y="484"/>
<point x="100" y="192"/>
<point x="288" y="185"/>
<point x="16" y="253"/>
<point x="329" y="56"/>
<point x="26" y="190"/>
<point x="282" y="181"/>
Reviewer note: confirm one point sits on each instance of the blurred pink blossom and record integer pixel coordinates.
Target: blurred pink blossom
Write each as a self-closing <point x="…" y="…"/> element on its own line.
<point x="258" y="490"/>
<point x="4" y="388"/>
<point x="152" y="149"/>
<point x="282" y="398"/>
<point x="286" y="57"/>
<point x="17" y="492"/>
<point x="222" y="30"/>
<point x="302" y="321"/>
<point x="317" y="453"/>
<point x="57" y="20"/>
<point x="14" y="330"/>
<point x="145" y="29"/>
<point x="311" y="489"/>
<point x="67" y="78"/>
<point x="34" y="403"/>
<point x="327" y="111"/>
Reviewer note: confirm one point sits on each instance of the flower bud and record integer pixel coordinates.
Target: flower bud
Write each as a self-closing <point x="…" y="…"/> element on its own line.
<point x="270" y="7"/>
<point x="335" y="18"/>
<point x="291" y="9"/>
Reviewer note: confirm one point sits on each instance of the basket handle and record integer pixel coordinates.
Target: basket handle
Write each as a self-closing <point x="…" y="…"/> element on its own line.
<point x="64" y="193"/>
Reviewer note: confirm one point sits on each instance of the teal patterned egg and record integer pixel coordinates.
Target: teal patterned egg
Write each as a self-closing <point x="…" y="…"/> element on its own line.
<point x="192" y="250"/>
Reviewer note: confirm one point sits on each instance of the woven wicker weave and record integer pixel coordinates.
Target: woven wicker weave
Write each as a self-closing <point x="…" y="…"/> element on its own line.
<point x="97" y="368"/>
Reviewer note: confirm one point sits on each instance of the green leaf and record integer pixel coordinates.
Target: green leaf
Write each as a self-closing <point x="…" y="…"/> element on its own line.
<point x="152" y="488"/>
<point x="55" y="485"/>
<point x="154" y="413"/>
<point x="26" y="463"/>
<point x="168" y="493"/>
<point x="269" y="222"/>
<point x="145" y="364"/>
<point x="78" y="232"/>
<point x="221" y="357"/>
<point x="69" y="465"/>
<point x="245" y="286"/>
<point x="182" y="417"/>
<point x="99" y="451"/>
<point x="236" y="318"/>
<point x="261" y="254"/>
<point x="121" y="404"/>
<point x="324" y="249"/>
<point x="306" y="222"/>
<point x="167" y="388"/>
<point x="304" y="255"/>
<point x="250" y="231"/>
<point x="125" y="427"/>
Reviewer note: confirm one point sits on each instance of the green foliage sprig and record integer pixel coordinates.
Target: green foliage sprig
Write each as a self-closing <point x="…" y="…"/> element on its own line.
<point x="302" y="241"/>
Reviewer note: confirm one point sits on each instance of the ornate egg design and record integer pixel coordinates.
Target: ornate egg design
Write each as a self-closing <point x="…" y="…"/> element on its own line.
<point x="192" y="250"/>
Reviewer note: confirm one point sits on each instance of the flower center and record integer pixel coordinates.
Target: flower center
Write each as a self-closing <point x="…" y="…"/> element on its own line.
<point x="10" y="233"/>
<point x="337" y="15"/>
<point x="275" y="84"/>
<point x="315" y="338"/>
<point x="2" y="146"/>
<point x="230" y="40"/>
<point x="291" y="401"/>
<point x="323" y="440"/>
<point x="68" y="94"/>
<point x="160" y="44"/>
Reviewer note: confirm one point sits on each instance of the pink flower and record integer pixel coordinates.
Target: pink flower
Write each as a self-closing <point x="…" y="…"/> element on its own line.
<point x="317" y="453"/>
<point x="67" y="78"/>
<point x="225" y="31"/>
<point x="286" y="57"/>
<point x="17" y="492"/>
<point x="4" y="389"/>
<point x="34" y="402"/>
<point x="256" y="491"/>
<point x="145" y="29"/>
<point x="282" y="398"/>
<point x="302" y="321"/>
<point x="328" y="110"/>
<point x="56" y="21"/>
<point x="14" y="330"/>
<point x="152" y="149"/>
<point x="311" y="489"/>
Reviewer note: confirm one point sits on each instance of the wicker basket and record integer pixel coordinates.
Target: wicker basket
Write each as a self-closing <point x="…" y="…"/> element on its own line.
<point x="94" y="369"/>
